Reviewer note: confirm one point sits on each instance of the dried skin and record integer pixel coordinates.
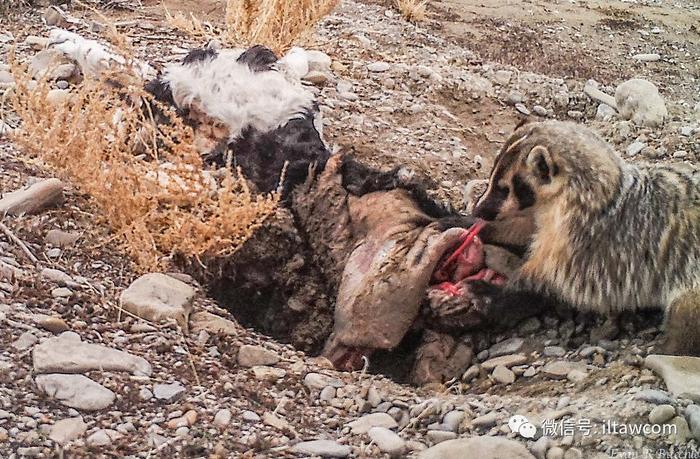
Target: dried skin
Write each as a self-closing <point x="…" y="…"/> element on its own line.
<point x="440" y="357"/>
<point x="386" y="275"/>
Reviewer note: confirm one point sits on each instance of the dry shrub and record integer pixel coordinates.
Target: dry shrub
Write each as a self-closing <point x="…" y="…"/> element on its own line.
<point x="7" y="6"/>
<point x="412" y="10"/>
<point x="277" y="24"/>
<point x="159" y="210"/>
<point x="189" y="25"/>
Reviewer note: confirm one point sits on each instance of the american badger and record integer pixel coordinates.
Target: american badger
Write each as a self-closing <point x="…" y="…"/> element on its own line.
<point x="609" y="236"/>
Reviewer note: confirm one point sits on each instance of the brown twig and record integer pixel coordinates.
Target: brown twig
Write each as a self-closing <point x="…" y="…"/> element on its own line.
<point x="19" y="243"/>
<point x="189" y="356"/>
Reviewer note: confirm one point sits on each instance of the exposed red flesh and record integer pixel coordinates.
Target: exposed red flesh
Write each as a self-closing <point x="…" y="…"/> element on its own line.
<point x="450" y="288"/>
<point x="471" y="233"/>
<point x="466" y="263"/>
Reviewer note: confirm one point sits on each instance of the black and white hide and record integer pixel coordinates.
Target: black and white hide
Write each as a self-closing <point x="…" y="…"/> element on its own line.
<point x="243" y="104"/>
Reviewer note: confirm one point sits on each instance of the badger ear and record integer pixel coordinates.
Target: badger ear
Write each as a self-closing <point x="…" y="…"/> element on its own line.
<point x="539" y="162"/>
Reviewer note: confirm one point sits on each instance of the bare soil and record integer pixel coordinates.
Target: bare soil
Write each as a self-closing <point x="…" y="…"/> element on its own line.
<point x="587" y="39"/>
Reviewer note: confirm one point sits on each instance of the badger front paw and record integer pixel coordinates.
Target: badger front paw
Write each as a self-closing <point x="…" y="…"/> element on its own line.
<point x="479" y="304"/>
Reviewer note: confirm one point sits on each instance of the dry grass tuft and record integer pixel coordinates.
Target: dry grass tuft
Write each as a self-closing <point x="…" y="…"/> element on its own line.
<point x="7" y="6"/>
<point x="277" y="24"/>
<point x="412" y="10"/>
<point x="163" y="205"/>
<point x="189" y="25"/>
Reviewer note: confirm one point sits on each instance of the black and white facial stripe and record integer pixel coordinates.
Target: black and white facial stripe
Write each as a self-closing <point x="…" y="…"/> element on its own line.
<point x="518" y="170"/>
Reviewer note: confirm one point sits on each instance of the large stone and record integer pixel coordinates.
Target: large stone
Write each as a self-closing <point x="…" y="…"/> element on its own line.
<point x="639" y="100"/>
<point x="66" y="353"/>
<point x="387" y="441"/>
<point x="103" y="437"/>
<point x="561" y="368"/>
<point x="655" y="396"/>
<point x="453" y="419"/>
<point x="366" y="422"/>
<point x="58" y="97"/>
<point x="509" y="346"/>
<point x="35" y="42"/>
<point x="647" y="57"/>
<point x="213" y="324"/>
<point x="592" y="91"/>
<point x="52" y="323"/>
<point x="680" y="373"/>
<point x="486" y="420"/>
<point x="503" y="375"/>
<point x="692" y="414"/>
<point x="25" y="341"/>
<point x="318" y="61"/>
<point x="52" y="65"/>
<point x="295" y="62"/>
<point x="317" y="381"/>
<point x="479" y="447"/>
<point x="265" y="373"/>
<point x="222" y="418"/>
<point x="661" y="413"/>
<point x="32" y="199"/>
<point x="316" y="78"/>
<point x="502" y="77"/>
<point x="504" y="360"/>
<point x="6" y="78"/>
<point x="76" y="391"/>
<point x="605" y="113"/>
<point x="633" y="149"/>
<point x="378" y="67"/>
<point x="169" y="392"/>
<point x="158" y="297"/>
<point x="251" y="356"/>
<point x="67" y="430"/>
<point x="540" y="446"/>
<point x="58" y="238"/>
<point x="323" y="448"/>
<point x="58" y="276"/>
<point x="54" y="16"/>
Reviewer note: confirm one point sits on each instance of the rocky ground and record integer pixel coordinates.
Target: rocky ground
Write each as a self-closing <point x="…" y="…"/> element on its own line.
<point x="82" y="377"/>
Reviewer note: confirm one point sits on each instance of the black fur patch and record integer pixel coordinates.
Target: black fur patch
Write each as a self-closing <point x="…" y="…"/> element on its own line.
<point x="507" y="307"/>
<point x="542" y="169"/>
<point x="262" y="155"/>
<point x="523" y="193"/>
<point x="258" y="58"/>
<point x="199" y="55"/>
<point x="160" y="90"/>
<point x="360" y="179"/>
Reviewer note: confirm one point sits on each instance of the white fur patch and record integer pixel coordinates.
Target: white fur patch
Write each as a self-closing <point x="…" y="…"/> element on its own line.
<point x="92" y="57"/>
<point x="231" y="93"/>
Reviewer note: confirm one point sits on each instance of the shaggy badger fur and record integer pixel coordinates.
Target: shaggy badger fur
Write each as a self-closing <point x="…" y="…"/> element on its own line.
<point x="238" y="101"/>
<point x="610" y="236"/>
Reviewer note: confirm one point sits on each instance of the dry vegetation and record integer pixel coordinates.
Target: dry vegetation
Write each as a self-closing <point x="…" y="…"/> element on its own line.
<point x="278" y="24"/>
<point x="8" y="5"/>
<point x="412" y="10"/>
<point x="188" y="24"/>
<point x="163" y="202"/>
